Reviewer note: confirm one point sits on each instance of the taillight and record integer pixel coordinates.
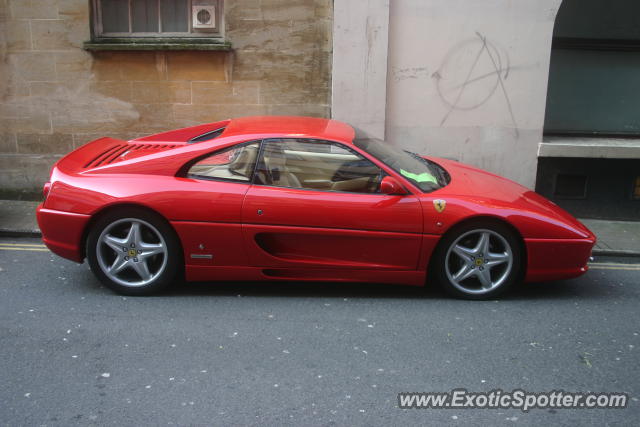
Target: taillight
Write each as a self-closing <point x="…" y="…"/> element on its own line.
<point x="45" y="189"/>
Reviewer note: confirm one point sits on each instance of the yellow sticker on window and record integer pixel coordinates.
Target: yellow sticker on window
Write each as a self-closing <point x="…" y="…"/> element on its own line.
<point x="423" y="177"/>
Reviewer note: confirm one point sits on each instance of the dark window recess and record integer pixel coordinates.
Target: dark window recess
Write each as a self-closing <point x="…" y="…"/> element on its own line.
<point x="570" y="186"/>
<point x="207" y="136"/>
<point x="613" y="186"/>
<point x="593" y="76"/>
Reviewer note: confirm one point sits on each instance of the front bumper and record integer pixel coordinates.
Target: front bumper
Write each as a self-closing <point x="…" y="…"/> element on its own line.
<point x="62" y="232"/>
<point x="557" y="259"/>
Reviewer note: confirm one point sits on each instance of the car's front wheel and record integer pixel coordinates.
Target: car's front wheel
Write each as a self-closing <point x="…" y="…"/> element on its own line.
<point x="133" y="252"/>
<point x="478" y="260"/>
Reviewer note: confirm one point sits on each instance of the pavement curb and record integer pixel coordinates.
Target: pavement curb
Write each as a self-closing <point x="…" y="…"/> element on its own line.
<point x="614" y="253"/>
<point x="19" y="233"/>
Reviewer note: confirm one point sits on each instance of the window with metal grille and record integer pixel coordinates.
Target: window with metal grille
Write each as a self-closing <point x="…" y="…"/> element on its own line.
<point x="157" y="18"/>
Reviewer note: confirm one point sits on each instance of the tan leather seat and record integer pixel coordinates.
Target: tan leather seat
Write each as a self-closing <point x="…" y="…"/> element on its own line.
<point x="243" y="164"/>
<point x="358" y="185"/>
<point x="276" y="164"/>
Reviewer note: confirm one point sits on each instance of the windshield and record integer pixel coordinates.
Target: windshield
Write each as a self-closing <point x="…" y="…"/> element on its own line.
<point x="425" y="174"/>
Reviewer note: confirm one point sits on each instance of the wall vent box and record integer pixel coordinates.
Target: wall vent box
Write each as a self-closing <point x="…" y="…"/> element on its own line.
<point x="204" y="17"/>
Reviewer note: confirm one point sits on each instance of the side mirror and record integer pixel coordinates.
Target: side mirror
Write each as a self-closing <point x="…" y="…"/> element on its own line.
<point x="391" y="186"/>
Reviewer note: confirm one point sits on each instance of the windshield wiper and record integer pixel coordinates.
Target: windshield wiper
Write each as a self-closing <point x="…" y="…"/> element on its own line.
<point x="417" y="156"/>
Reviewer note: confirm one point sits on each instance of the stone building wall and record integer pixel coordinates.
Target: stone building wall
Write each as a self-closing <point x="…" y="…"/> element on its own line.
<point x="55" y="96"/>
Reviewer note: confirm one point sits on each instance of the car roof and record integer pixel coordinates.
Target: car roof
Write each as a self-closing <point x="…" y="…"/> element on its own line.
<point x="291" y="126"/>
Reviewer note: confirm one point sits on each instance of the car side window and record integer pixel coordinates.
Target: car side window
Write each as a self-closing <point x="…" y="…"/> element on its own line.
<point x="235" y="164"/>
<point x="316" y="165"/>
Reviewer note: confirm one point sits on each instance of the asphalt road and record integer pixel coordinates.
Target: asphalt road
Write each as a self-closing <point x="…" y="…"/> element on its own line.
<point x="73" y="353"/>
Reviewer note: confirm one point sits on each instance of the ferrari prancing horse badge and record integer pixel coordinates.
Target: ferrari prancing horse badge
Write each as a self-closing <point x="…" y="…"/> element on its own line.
<point x="439" y="204"/>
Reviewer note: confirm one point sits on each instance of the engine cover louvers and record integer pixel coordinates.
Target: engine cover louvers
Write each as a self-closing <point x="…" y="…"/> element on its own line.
<point x="124" y="152"/>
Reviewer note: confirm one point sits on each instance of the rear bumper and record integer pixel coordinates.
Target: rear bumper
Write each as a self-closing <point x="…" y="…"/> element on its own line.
<point x="62" y="232"/>
<point x="557" y="259"/>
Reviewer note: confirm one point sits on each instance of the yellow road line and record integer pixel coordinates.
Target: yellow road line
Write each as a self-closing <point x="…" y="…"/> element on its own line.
<point x="23" y="249"/>
<point x="612" y="264"/>
<point x="23" y="245"/>
<point x="623" y="267"/>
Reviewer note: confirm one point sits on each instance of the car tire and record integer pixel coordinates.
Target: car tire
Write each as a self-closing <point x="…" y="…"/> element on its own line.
<point x="134" y="251"/>
<point x="478" y="260"/>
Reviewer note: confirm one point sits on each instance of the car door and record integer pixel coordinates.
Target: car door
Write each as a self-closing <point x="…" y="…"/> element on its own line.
<point x="209" y="219"/>
<point x="316" y="204"/>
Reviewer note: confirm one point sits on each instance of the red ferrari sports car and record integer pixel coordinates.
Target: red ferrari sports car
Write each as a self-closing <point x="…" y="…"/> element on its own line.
<point x="304" y="199"/>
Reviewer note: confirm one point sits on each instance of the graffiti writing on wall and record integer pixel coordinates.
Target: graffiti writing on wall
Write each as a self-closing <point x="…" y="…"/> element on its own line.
<point x="471" y="74"/>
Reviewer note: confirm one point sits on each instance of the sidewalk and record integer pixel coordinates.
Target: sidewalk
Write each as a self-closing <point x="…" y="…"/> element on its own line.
<point x="615" y="238"/>
<point x="18" y="218"/>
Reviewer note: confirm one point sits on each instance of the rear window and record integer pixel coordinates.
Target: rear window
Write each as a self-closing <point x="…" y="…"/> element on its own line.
<point x="207" y="136"/>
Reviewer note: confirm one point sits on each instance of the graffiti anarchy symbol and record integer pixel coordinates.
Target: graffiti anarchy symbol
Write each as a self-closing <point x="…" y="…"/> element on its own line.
<point x="471" y="74"/>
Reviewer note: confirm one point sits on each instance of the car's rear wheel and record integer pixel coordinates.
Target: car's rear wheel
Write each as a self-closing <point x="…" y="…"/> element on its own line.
<point x="133" y="252"/>
<point x="478" y="260"/>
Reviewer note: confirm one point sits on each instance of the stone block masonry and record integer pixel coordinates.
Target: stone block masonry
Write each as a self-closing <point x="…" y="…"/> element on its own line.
<point x="56" y="96"/>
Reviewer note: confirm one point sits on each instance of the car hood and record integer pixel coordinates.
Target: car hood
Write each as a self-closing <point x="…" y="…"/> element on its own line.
<point x="491" y="194"/>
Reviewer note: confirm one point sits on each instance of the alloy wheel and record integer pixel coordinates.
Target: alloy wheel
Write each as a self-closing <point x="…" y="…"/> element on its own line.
<point x="131" y="252"/>
<point x="479" y="261"/>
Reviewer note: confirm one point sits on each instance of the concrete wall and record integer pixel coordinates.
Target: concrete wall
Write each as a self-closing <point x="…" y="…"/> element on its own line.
<point x="359" y="84"/>
<point x="466" y="79"/>
<point x="54" y="96"/>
